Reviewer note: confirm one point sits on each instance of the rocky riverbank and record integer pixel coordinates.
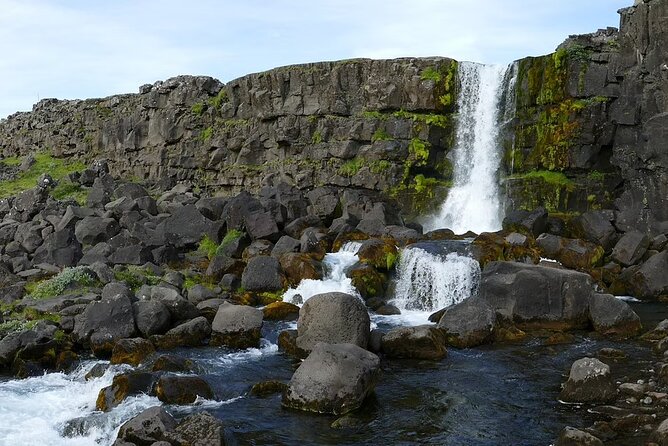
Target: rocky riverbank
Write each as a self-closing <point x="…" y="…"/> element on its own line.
<point x="136" y="273"/>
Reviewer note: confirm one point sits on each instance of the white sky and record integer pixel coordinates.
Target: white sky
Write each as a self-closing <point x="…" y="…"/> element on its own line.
<point x="94" y="48"/>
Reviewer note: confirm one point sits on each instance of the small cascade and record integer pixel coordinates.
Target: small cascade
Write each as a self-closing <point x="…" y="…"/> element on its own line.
<point x="429" y="282"/>
<point x="474" y="202"/>
<point x="335" y="280"/>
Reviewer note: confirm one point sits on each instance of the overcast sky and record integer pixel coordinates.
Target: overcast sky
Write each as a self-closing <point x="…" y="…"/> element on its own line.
<point x="94" y="48"/>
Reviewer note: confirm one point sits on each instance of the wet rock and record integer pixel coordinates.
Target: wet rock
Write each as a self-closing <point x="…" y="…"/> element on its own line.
<point x="267" y="388"/>
<point x="572" y="253"/>
<point x="612" y="316"/>
<point x="280" y="311"/>
<point x="535" y="222"/>
<point x="630" y="248"/>
<point x="201" y="429"/>
<point x="299" y="266"/>
<point x="570" y="436"/>
<point x="660" y="435"/>
<point x="236" y="326"/>
<point x="378" y="253"/>
<point x="287" y="342"/>
<point x="589" y="382"/>
<point x="657" y="333"/>
<point x="612" y="353"/>
<point x="468" y="324"/>
<point x="172" y="389"/>
<point x="285" y="245"/>
<point x="420" y="342"/>
<point x="131" y="351"/>
<point x="200" y="293"/>
<point x="535" y="296"/>
<point x="192" y="333"/>
<point x="222" y="265"/>
<point x="151" y="425"/>
<point x="333" y="318"/>
<point x="172" y="363"/>
<point x="262" y="273"/>
<point x="334" y="378"/>
<point x="97" y="371"/>
<point x="123" y="386"/>
<point x="368" y="281"/>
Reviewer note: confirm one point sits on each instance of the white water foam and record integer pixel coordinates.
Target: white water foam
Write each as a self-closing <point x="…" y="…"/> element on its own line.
<point x="474" y="203"/>
<point x="427" y="282"/>
<point x="34" y="411"/>
<point x="335" y="280"/>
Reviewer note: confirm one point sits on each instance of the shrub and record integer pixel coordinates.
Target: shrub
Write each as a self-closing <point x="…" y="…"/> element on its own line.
<point x="56" y="286"/>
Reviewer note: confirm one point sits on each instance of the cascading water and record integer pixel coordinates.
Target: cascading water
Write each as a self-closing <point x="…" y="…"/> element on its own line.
<point x="474" y="203"/>
<point x="335" y="280"/>
<point x="429" y="282"/>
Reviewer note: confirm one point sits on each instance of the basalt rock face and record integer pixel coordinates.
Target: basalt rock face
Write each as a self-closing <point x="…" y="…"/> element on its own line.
<point x="356" y="124"/>
<point x="594" y="114"/>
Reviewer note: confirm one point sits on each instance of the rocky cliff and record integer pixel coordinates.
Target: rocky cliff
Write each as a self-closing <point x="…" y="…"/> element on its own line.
<point x="589" y="128"/>
<point x="591" y="122"/>
<point x="381" y="126"/>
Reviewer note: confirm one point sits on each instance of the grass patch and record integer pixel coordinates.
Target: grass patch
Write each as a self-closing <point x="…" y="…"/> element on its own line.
<point x="198" y="108"/>
<point x="553" y="178"/>
<point x="136" y="276"/>
<point x="211" y="249"/>
<point x="70" y="191"/>
<point x="57" y="285"/>
<point x="206" y="134"/>
<point x="218" y="100"/>
<point x="431" y="74"/>
<point x="11" y="161"/>
<point x="351" y="167"/>
<point x="44" y="163"/>
<point x="317" y="137"/>
<point x="425" y="118"/>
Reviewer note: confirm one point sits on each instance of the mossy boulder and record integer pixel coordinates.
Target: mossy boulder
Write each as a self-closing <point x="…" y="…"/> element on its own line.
<point x="378" y="253"/>
<point x="131" y="351"/>
<point x="495" y="246"/>
<point x="267" y="388"/>
<point x="280" y="311"/>
<point x="353" y="236"/>
<point x="299" y="266"/>
<point x="575" y="254"/>
<point x="421" y="342"/>
<point x="368" y="280"/>
<point x="173" y="389"/>
<point x="123" y="386"/>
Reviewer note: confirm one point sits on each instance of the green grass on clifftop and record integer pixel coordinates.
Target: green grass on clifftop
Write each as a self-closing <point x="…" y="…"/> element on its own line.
<point x="44" y="163"/>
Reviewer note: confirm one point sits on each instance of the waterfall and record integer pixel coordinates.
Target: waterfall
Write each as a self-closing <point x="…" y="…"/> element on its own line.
<point x="429" y="282"/>
<point x="474" y="202"/>
<point x="336" y="265"/>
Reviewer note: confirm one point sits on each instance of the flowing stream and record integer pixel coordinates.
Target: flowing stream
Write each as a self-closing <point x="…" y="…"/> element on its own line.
<point x="474" y="202"/>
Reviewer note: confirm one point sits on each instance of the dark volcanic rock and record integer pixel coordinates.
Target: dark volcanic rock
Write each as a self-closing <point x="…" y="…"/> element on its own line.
<point x="333" y="318"/>
<point x="105" y="322"/>
<point x="263" y="273"/>
<point x="151" y="425"/>
<point x="420" y="342"/>
<point x="468" y="323"/>
<point x="589" y="382"/>
<point x="236" y="326"/>
<point x="334" y="378"/>
<point x="172" y="389"/>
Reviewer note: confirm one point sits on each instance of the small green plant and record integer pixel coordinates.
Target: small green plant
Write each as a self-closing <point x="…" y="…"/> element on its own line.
<point x="206" y="134"/>
<point x="217" y="101"/>
<point x="351" y="167"/>
<point x="57" y="285"/>
<point x="431" y="74"/>
<point x="231" y="236"/>
<point x="550" y="177"/>
<point x="317" y="137"/>
<point x="11" y="161"/>
<point x="379" y="166"/>
<point x="595" y="175"/>
<point x="207" y="246"/>
<point x="198" y="108"/>
<point x="375" y="115"/>
<point x="419" y="151"/>
<point x="381" y="135"/>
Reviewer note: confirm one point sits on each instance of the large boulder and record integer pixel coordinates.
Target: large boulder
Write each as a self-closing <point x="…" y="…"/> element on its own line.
<point x="201" y="429"/>
<point x="192" y="333"/>
<point x="537" y="296"/>
<point x="468" y="324"/>
<point x="596" y="227"/>
<point x="333" y="318"/>
<point x="420" y="342"/>
<point x="186" y="226"/>
<point x="177" y="389"/>
<point x="650" y="280"/>
<point x="334" y="378"/>
<point x="122" y="386"/>
<point x="570" y="436"/>
<point x="589" y="382"/>
<point x="92" y="230"/>
<point x="378" y="253"/>
<point x="131" y="351"/>
<point x="612" y="316"/>
<point x="151" y="425"/>
<point x="299" y="266"/>
<point x="104" y="322"/>
<point x="152" y="317"/>
<point x="236" y="326"/>
<point x="630" y="248"/>
<point x="263" y="273"/>
<point x="535" y="222"/>
<point x="572" y="253"/>
<point x="60" y="248"/>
